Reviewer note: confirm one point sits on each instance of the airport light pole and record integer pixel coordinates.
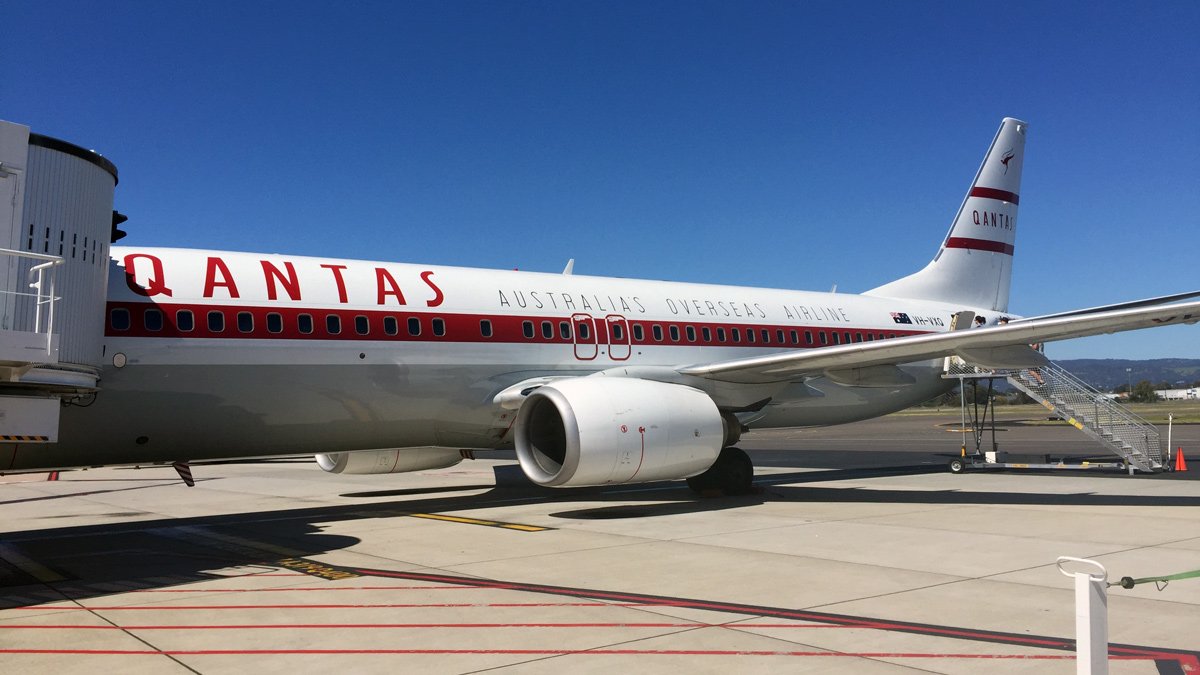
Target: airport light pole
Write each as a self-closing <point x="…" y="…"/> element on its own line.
<point x="1129" y="381"/>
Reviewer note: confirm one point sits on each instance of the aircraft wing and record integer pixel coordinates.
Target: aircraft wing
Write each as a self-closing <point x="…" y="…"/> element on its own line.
<point x="994" y="346"/>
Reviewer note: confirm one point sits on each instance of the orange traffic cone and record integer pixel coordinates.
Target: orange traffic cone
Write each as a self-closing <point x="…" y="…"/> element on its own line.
<point x="1180" y="462"/>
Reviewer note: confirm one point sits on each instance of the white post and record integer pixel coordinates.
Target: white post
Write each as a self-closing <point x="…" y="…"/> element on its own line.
<point x="1091" y="616"/>
<point x="1170" y="423"/>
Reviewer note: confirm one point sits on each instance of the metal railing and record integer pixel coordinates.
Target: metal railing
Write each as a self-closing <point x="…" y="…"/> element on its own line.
<point x="41" y="280"/>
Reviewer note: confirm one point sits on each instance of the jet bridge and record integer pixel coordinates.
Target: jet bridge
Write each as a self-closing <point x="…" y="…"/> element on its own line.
<point x="56" y="225"/>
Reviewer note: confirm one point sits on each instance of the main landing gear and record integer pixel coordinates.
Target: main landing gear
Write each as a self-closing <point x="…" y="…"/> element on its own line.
<point x="732" y="473"/>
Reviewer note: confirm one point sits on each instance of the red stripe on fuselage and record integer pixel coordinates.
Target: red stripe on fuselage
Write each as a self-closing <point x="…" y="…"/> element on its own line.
<point x="506" y="329"/>
<point x="980" y="245"/>
<point x="993" y="193"/>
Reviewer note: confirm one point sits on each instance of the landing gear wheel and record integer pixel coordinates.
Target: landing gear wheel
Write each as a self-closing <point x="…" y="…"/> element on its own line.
<point x="732" y="473"/>
<point x="957" y="466"/>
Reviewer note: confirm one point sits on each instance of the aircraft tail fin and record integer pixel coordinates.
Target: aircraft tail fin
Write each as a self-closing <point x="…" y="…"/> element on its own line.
<point x="973" y="267"/>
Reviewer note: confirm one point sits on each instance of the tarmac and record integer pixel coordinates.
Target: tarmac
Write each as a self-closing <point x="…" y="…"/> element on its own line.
<point x="859" y="552"/>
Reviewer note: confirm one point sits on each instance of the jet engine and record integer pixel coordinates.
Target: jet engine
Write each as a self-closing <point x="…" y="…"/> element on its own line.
<point x="394" y="460"/>
<point x="605" y="430"/>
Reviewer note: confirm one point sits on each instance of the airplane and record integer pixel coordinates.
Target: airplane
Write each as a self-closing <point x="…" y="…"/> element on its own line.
<point x="381" y="367"/>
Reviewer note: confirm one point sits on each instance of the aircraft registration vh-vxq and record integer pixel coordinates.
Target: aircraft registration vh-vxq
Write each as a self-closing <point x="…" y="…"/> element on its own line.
<point x="380" y="367"/>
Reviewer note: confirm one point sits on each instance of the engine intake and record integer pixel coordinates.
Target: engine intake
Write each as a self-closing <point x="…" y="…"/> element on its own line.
<point x="611" y="430"/>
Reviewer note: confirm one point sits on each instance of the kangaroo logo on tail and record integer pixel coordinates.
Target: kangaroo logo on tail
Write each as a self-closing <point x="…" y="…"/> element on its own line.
<point x="1008" y="155"/>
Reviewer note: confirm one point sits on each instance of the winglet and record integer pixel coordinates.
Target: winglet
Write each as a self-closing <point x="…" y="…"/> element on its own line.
<point x="570" y="268"/>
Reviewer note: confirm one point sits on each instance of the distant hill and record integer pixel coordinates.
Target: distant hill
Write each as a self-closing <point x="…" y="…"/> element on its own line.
<point x="1107" y="374"/>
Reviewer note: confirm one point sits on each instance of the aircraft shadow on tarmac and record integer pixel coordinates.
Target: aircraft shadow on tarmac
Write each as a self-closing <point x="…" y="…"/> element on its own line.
<point x="107" y="558"/>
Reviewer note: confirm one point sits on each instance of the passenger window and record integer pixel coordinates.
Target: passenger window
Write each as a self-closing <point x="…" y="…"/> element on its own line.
<point x="439" y="327"/>
<point x="547" y="330"/>
<point x="618" y="333"/>
<point x="362" y="325"/>
<point x="691" y="333"/>
<point x="808" y="337"/>
<point x="720" y="335"/>
<point x="274" y="323"/>
<point x="835" y="336"/>
<point x="638" y="333"/>
<point x="749" y="335"/>
<point x="526" y="328"/>
<point x="766" y="336"/>
<point x="216" y="322"/>
<point x="390" y="325"/>
<point x="779" y="336"/>
<point x="304" y="323"/>
<point x="674" y="333"/>
<point x="847" y="336"/>
<point x="657" y="333"/>
<point x="858" y="337"/>
<point x="584" y="331"/>
<point x="485" y="328"/>
<point x="333" y="324"/>
<point x="414" y="326"/>
<point x="737" y="334"/>
<point x="707" y="333"/>
<point x="824" y="337"/>
<point x="870" y="338"/>
<point x="184" y="320"/>
<point x="564" y="330"/>
<point x="153" y="319"/>
<point x="245" y="321"/>
<point x="120" y="319"/>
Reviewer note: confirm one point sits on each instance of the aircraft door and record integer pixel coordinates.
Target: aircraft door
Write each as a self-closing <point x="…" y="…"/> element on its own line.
<point x="619" y="344"/>
<point x="583" y="331"/>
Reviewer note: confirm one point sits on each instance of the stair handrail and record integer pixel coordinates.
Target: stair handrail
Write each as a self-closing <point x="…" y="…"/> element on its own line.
<point x="41" y="278"/>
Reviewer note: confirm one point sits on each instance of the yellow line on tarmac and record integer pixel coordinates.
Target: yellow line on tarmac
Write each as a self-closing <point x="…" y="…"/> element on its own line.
<point x="476" y="521"/>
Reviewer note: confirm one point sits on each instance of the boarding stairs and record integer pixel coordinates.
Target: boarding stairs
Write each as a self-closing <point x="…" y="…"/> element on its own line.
<point x="1127" y="435"/>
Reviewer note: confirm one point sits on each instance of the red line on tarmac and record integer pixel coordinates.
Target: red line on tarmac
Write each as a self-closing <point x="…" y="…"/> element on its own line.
<point x="118" y="608"/>
<point x="551" y="652"/>
<point x="306" y="588"/>
<point x="290" y="626"/>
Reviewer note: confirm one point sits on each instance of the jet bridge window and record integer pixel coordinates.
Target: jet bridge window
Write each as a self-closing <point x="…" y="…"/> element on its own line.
<point x="333" y="324"/>
<point x="362" y="325"/>
<point x="153" y="319"/>
<point x="184" y="321"/>
<point x="245" y="322"/>
<point x="304" y="323"/>
<point x="274" y="322"/>
<point x="216" y="321"/>
<point x="485" y="328"/>
<point x="439" y="327"/>
<point x="390" y="325"/>
<point x="120" y="319"/>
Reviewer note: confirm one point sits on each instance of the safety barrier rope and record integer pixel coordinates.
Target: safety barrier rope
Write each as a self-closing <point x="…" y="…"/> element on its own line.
<point x="1159" y="582"/>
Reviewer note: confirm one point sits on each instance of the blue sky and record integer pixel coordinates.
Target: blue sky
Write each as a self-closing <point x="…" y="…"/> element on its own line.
<point x="793" y="145"/>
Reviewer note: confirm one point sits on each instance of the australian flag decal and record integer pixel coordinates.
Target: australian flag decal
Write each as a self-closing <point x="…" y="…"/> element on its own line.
<point x="900" y="317"/>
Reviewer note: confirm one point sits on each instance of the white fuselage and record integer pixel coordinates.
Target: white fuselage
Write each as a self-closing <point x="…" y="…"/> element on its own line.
<point x="215" y="354"/>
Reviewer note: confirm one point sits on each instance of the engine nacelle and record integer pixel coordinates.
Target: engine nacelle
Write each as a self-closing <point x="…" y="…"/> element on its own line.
<point x="605" y="430"/>
<point x="394" y="460"/>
